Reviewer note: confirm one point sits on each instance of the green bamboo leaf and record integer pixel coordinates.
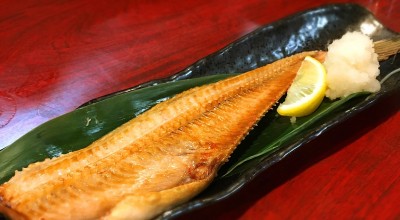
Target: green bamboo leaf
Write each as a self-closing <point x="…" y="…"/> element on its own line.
<point x="87" y="124"/>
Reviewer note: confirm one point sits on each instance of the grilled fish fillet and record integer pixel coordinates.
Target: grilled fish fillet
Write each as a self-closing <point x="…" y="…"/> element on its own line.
<point x="160" y="159"/>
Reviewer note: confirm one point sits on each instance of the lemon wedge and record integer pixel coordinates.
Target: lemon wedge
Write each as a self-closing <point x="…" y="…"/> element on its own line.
<point x="307" y="90"/>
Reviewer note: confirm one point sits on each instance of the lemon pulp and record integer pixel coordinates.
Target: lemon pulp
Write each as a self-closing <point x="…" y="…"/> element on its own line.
<point x="307" y="90"/>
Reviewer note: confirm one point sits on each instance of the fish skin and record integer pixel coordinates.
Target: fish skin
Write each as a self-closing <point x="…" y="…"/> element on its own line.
<point x="157" y="160"/>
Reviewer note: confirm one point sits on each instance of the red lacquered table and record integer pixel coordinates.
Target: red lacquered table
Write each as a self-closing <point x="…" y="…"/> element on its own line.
<point x="56" y="55"/>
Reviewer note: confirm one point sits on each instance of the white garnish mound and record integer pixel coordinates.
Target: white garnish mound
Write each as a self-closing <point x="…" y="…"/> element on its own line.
<point x="352" y="66"/>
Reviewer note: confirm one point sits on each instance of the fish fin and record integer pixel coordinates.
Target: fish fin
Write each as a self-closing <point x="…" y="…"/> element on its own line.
<point x="149" y="205"/>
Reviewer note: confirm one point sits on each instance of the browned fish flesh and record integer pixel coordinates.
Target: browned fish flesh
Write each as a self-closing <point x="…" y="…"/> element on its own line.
<point x="157" y="160"/>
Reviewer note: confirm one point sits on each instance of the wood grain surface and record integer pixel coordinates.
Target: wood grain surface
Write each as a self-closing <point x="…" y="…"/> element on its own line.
<point x="57" y="55"/>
